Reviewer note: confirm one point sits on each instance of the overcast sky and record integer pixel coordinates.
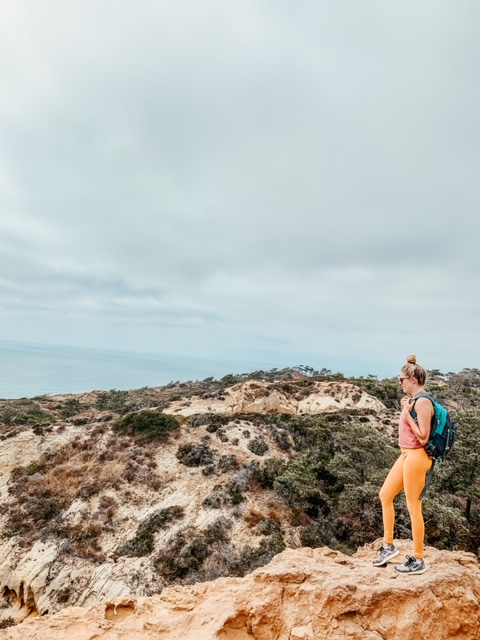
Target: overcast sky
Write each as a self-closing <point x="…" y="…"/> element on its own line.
<point x="272" y="181"/>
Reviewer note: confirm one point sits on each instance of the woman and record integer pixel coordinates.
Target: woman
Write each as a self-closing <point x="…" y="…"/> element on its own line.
<point x="409" y="470"/>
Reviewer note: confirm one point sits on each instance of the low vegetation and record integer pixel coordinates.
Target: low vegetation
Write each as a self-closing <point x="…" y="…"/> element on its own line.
<point x="42" y="492"/>
<point x="147" y="426"/>
<point x="143" y="542"/>
<point x="25" y="412"/>
<point x="311" y="479"/>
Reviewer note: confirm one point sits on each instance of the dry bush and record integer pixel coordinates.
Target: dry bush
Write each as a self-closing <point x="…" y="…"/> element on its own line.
<point x="253" y="517"/>
<point x="185" y="557"/>
<point x="80" y="479"/>
<point x="44" y="490"/>
<point x="275" y="515"/>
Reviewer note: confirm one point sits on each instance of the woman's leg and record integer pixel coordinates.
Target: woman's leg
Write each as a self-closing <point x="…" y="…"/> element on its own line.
<point x="391" y="487"/>
<point x="417" y="463"/>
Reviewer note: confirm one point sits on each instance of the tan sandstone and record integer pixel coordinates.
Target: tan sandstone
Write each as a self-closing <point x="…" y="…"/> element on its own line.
<point x="303" y="594"/>
<point x="32" y="575"/>
<point x="268" y="397"/>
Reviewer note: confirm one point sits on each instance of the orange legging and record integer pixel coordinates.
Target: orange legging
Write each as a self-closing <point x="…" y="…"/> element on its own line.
<point x="407" y="473"/>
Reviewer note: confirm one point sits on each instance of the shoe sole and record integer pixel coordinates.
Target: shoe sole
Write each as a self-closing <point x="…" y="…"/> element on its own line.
<point x="411" y="573"/>
<point x="385" y="562"/>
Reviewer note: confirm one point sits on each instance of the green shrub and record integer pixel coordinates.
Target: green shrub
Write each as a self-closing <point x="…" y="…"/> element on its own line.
<point x="211" y="420"/>
<point x="112" y="400"/>
<point x="8" y="415"/>
<point x="308" y="432"/>
<point x="228" y="463"/>
<point x="217" y="531"/>
<point x="387" y="391"/>
<point x="70" y="408"/>
<point x="268" y="472"/>
<point x="148" y="425"/>
<point x="195" y="454"/>
<point x="215" y="499"/>
<point x="234" y="492"/>
<point x="208" y="470"/>
<point x="303" y="483"/>
<point x="258" y="446"/>
<point x="222" y="435"/>
<point x="282" y="439"/>
<point x="143" y="542"/>
<point x="268" y="527"/>
<point x="25" y="412"/>
<point x="40" y="418"/>
<point x="251" y="559"/>
<point x="185" y="553"/>
<point x="319" y="533"/>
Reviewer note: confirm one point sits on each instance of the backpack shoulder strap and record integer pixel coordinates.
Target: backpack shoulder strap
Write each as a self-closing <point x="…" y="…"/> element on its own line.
<point x="423" y="395"/>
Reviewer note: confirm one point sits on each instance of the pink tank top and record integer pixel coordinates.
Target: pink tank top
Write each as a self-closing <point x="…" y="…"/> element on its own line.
<point x="406" y="438"/>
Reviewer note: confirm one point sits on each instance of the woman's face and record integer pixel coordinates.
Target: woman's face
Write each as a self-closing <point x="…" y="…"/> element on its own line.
<point x="407" y="383"/>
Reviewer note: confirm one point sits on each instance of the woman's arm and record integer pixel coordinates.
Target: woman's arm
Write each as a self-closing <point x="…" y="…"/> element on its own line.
<point x="424" y="409"/>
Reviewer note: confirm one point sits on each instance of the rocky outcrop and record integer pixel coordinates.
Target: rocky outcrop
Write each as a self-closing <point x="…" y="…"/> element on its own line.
<point x="43" y="576"/>
<point x="107" y="487"/>
<point x="271" y="397"/>
<point x="303" y="594"/>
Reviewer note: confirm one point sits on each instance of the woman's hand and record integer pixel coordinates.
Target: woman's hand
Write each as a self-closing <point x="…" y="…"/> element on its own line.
<point x="406" y="404"/>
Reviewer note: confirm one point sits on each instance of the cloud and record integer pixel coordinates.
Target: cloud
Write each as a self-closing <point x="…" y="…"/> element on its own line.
<point x="245" y="177"/>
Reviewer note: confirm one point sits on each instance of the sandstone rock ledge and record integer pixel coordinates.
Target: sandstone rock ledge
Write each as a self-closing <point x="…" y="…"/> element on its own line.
<point x="303" y="594"/>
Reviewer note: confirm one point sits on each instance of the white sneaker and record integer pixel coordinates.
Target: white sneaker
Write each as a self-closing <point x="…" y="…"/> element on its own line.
<point x="412" y="565"/>
<point x="384" y="554"/>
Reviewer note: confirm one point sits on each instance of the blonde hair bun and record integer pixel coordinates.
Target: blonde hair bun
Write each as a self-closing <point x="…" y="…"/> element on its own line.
<point x="412" y="359"/>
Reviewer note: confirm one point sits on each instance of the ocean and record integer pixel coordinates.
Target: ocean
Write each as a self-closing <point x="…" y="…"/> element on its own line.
<point x="29" y="370"/>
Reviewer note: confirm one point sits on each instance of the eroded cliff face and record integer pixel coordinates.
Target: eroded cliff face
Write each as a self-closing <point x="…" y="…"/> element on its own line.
<point x="303" y="594"/>
<point x="88" y="506"/>
<point x="269" y="397"/>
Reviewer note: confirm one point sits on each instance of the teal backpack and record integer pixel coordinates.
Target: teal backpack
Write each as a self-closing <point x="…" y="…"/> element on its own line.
<point x="443" y="430"/>
<point x="442" y="435"/>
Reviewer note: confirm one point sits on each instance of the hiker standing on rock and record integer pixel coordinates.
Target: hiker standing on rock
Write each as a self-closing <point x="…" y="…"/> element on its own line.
<point x="409" y="470"/>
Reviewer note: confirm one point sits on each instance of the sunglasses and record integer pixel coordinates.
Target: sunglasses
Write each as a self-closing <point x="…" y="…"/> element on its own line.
<point x="402" y="379"/>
